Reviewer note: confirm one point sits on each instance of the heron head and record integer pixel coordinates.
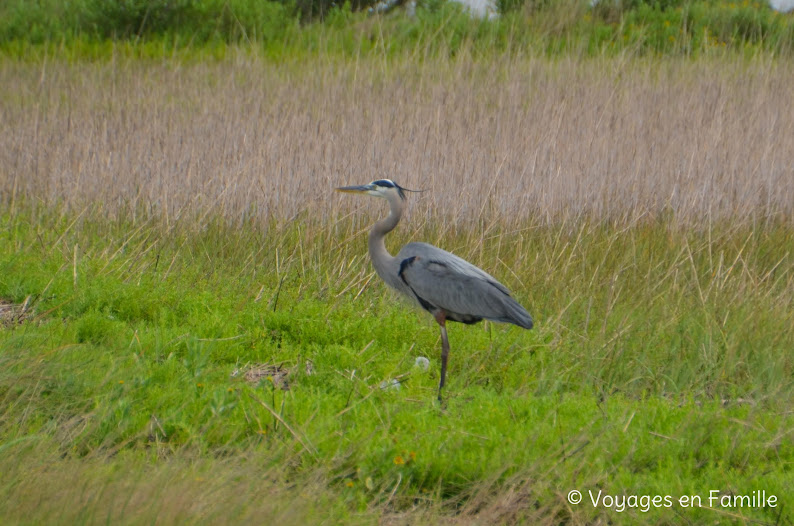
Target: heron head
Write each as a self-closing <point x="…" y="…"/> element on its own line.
<point x="384" y="188"/>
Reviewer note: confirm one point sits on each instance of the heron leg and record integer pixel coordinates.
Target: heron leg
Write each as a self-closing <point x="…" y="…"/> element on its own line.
<point x="441" y="318"/>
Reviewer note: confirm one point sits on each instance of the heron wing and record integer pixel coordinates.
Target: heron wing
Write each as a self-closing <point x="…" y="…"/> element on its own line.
<point x="441" y="280"/>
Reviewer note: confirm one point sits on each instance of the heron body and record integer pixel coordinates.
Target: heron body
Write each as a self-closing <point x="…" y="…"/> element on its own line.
<point x="448" y="287"/>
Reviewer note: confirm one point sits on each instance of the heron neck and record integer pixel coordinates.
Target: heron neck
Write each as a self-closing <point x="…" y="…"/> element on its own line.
<point x="381" y="259"/>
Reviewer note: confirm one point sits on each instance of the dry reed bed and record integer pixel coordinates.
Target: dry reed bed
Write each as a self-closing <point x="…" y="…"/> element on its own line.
<point x="508" y="140"/>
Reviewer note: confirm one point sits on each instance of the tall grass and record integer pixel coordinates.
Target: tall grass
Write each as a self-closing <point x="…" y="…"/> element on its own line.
<point x="504" y="142"/>
<point x="660" y="364"/>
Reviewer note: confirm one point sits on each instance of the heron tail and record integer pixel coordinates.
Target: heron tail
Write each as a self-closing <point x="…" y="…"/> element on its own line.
<point x="523" y="319"/>
<point x="517" y="315"/>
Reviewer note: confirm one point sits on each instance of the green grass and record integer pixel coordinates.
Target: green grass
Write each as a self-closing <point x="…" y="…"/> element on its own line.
<point x="660" y="364"/>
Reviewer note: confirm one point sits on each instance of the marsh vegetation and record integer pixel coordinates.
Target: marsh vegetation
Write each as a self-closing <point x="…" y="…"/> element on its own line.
<point x="192" y="332"/>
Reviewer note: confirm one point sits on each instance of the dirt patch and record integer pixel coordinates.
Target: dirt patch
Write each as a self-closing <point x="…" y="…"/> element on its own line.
<point x="255" y="373"/>
<point x="13" y="313"/>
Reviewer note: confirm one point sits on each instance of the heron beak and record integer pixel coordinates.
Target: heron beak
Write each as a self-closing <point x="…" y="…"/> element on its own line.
<point x="362" y="189"/>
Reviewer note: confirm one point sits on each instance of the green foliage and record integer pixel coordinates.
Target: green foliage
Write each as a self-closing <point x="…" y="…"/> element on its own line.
<point x="186" y="21"/>
<point x="572" y="26"/>
<point x="660" y="364"/>
<point x="38" y="21"/>
<point x="129" y="18"/>
<point x="703" y="26"/>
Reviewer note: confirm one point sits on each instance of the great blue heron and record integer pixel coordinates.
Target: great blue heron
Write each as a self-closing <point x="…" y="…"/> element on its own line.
<point x="448" y="287"/>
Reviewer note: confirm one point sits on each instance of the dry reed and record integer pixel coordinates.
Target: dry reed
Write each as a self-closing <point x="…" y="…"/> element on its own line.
<point x="509" y="140"/>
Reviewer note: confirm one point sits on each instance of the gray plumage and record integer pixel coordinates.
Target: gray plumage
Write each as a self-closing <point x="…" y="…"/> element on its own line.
<point x="448" y="287"/>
